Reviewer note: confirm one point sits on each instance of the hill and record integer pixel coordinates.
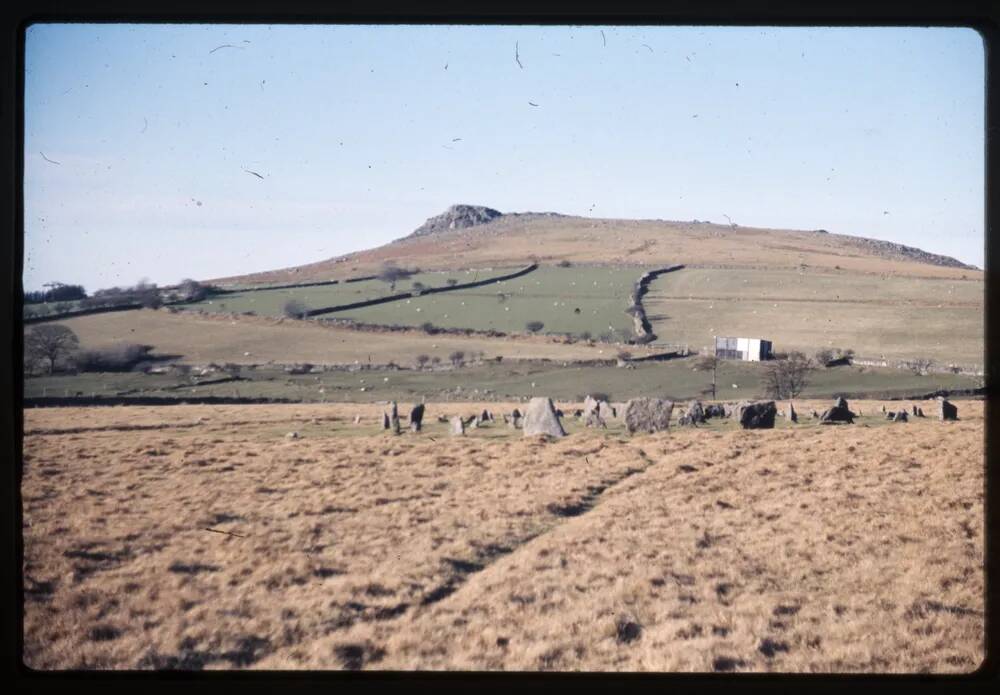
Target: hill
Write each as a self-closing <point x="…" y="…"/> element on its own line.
<point x="474" y="236"/>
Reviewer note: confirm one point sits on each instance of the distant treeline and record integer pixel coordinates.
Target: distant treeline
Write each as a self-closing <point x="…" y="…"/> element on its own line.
<point x="57" y="293"/>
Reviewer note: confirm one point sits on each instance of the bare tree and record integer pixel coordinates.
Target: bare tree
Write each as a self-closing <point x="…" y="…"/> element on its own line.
<point x="787" y="378"/>
<point x="49" y="341"/>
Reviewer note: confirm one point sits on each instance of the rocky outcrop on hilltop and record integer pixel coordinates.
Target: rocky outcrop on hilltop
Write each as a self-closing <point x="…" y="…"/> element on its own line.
<point x="889" y="249"/>
<point x="457" y="217"/>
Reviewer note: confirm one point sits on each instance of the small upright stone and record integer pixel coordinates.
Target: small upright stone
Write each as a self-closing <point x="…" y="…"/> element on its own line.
<point x="695" y="412"/>
<point x="541" y="418"/>
<point x="386" y="422"/>
<point x="417" y="417"/>
<point x="792" y="415"/>
<point x="946" y="410"/>
<point x="457" y="427"/>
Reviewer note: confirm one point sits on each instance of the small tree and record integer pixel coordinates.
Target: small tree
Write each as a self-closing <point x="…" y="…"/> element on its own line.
<point x="534" y="326"/>
<point x="50" y="342"/>
<point x="709" y="363"/>
<point x="294" y="309"/>
<point x="422" y="361"/>
<point x="419" y="287"/>
<point x="428" y="328"/>
<point x="392" y="274"/>
<point x="786" y="378"/>
<point x="457" y="358"/>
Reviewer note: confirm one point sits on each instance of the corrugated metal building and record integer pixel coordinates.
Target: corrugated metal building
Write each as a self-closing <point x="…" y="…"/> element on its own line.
<point x="747" y="349"/>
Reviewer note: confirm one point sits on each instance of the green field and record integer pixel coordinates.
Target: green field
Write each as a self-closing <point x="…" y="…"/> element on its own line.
<point x="674" y="379"/>
<point x="549" y="295"/>
<point x="272" y="302"/>
<point x="888" y="317"/>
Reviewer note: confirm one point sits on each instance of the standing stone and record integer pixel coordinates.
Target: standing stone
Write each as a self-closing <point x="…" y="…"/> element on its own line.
<point x="594" y="419"/>
<point x="606" y="411"/>
<point x="900" y="416"/>
<point x="357" y="419"/>
<point x="590" y="404"/>
<point x="386" y="423"/>
<point x="946" y="410"/>
<point x="838" y="413"/>
<point x="417" y="417"/>
<point x="920" y="412"/>
<point x="647" y="415"/>
<point x="714" y="410"/>
<point x="541" y="418"/>
<point x="457" y="427"/>
<point x="756" y="415"/>
<point x="883" y="407"/>
<point x="792" y="415"/>
<point x="914" y="409"/>
<point x="695" y="412"/>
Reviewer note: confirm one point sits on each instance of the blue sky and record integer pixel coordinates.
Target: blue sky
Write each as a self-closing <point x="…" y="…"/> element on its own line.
<point x="361" y="133"/>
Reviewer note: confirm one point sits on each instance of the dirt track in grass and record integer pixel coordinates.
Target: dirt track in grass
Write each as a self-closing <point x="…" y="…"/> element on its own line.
<point x="203" y="537"/>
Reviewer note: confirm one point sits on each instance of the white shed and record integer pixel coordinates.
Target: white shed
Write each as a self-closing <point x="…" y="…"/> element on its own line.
<point x="746" y="349"/>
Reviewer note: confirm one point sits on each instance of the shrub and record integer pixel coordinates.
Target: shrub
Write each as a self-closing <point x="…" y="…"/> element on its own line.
<point x="121" y="357"/>
<point x="564" y="263"/>
<point x="294" y="309"/>
<point x="534" y="326"/>
<point x="457" y="358"/>
<point x="422" y="361"/>
<point x="429" y="328"/>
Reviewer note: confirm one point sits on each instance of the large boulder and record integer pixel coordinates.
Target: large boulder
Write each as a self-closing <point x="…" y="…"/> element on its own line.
<point x="755" y="415"/>
<point x="647" y="415"/>
<point x="946" y="410"/>
<point x="541" y="418"/>
<point x="606" y="411"/>
<point x="840" y="412"/>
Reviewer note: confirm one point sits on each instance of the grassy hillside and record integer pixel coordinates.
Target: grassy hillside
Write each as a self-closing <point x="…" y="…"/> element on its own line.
<point x="272" y="302"/>
<point x="878" y="316"/>
<point x="550" y="295"/>
<point x="201" y="339"/>
<point x="518" y="239"/>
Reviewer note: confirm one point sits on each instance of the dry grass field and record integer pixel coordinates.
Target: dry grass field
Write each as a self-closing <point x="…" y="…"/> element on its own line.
<point x="200" y="339"/>
<point x="203" y="537"/>
<point x="891" y="317"/>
